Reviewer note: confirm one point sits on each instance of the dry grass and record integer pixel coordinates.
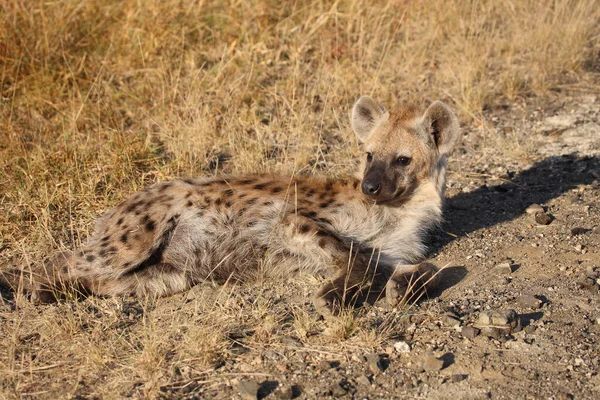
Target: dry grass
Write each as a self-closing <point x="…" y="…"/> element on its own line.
<point x="99" y="99"/>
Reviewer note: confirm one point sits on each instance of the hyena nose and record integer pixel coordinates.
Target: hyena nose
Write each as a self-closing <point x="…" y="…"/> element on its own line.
<point x="371" y="188"/>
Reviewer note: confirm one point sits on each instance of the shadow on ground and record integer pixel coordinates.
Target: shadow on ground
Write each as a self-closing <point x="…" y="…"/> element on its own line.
<point x="491" y="205"/>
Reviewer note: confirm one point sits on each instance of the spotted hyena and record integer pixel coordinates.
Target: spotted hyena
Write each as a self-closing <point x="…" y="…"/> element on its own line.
<point x="363" y="234"/>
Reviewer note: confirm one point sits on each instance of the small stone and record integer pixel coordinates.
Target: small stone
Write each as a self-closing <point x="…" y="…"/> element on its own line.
<point x="363" y="380"/>
<point x="469" y="332"/>
<point x="534" y="208"/>
<point x="402" y="347"/>
<point x="287" y="392"/>
<point x="451" y="321"/>
<point x="586" y="282"/>
<point x="529" y="301"/>
<point x="458" y="377"/>
<point x="578" y="231"/>
<point x="504" y="268"/>
<point x="542" y="218"/>
<point x="374" y="363"/>
<point x="248" y="389"/>
<point x="431" y="363"/>
<point x="337" y="390"/>
<point x="530" y="329"/>
<point x="494" y="332"/>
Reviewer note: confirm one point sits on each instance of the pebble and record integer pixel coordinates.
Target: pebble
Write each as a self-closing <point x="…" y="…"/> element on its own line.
<point x="402" y="347"/>
<point x="529" y="301"/>
<point x="530" y="329"/>
<point x="534" y="208"/>
<point x="542" y="218"/>
<point x="469" y="332"/>
<point x="374" y="363"/>
<point x="578" y="231"/>
<point x="248" y="389"/>
<point x="504" y="268"/>
<point x="458" y="377"/>
<point x="337" y="390"/>
<point x="494" y="332"/>
<point x="431" y="362"/>
<point x="451" y="321"/>
<point x="363" y="380"/>
<point x="288" y="392"/>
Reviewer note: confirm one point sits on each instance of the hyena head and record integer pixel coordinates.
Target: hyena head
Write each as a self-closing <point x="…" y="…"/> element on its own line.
<point x="404" y="148"/>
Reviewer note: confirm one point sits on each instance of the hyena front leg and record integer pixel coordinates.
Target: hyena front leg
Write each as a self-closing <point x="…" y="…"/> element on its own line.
<point x="360" y="277"/>
<point x="353" y="271"/>
<point x="409" y="283"/>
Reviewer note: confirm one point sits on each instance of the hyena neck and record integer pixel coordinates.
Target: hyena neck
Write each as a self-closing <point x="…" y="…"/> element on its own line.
<point x="405" y="228"/>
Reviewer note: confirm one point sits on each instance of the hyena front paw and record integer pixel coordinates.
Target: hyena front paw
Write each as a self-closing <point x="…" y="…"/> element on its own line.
<point x="409" y="283"/>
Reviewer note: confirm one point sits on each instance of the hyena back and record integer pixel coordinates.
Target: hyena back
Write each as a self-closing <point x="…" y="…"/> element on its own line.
<point x="361" y="233"/>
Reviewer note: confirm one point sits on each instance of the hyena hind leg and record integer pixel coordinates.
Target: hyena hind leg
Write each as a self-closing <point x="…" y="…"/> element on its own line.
<point x="410" y="283"/>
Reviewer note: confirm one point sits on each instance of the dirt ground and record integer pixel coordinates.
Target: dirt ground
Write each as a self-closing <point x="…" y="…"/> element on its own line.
<point x="497" y="256"/>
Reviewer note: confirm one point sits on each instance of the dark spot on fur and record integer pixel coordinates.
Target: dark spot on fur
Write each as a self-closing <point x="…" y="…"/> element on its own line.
<point x="105" y="238"/>
<point x="322" y="234"/>
<point x="304" y="228"/>
<point x="102" y="253"/>
<point x="242" y="195"/>
<point x="145" y="219"/>
<point x="164" y="187"/>
<point x="276" y="190"/>
<point x="126" y="265"/>
<point x="120" y="221"/>
<point x="252" y="223"/>
<point x="207" y="200"/>
<point x="112" y="250"/>
<point x="247" y="181"/>
<point x="90" y="258"/>
<point x="252" y="201"/>
<point x="124" y="237"/>
<point x="322" y="242"/>
<point x="157" y="255"/>
<point x="310" y="193"/>
<point x="218" y="201"/>
<point x="324" y="220"/>
<point x="323" y="195"/>
<point x="269" y="203"/>
<point x="189" y="203"/>
<point x="242" y="211"/>
<point x="150" y="225"/>
<point x="105" y="244"/>
<point x="189" y="181"/>
<point x="355" y="185"/>
<point x="200" y="213"/>
<point x="188" y="195"/>
<point x="310" y="214"/>
<point x="227" y="204"/>
<point x="260" y="186"/>
<point x="324" y="204"/>
<point x="329" y="186"/>
<point x="228" y="192"/>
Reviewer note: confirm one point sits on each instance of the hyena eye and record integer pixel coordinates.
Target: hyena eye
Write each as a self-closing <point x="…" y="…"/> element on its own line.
<point x="403" y="160"/>
<point x="369" y="157"/>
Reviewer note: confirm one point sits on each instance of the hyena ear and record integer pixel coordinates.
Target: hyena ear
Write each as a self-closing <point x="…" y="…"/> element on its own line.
<point x="443" y="125"/>
<point x="366" y="115"/>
